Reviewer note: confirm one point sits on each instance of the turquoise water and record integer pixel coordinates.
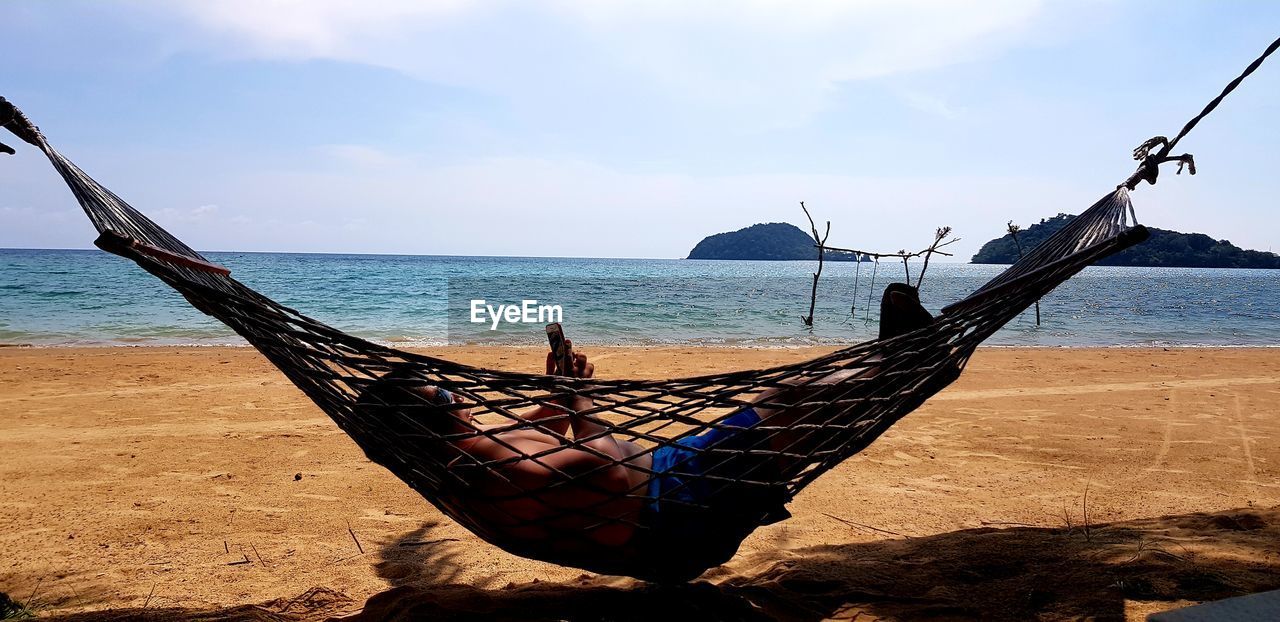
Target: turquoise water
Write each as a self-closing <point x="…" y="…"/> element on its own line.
<point x="89" y="298"/>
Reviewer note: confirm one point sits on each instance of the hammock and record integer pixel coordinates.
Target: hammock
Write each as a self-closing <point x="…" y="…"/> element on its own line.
<point x="713" y="495"/>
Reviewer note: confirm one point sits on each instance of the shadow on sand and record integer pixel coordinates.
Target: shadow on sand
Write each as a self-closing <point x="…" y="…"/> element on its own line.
<point x="1011" y="573"/>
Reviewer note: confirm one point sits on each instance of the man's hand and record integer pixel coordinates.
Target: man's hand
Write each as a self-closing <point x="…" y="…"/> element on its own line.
<point x="582" y="368"/>
<point x="582" y="426"/>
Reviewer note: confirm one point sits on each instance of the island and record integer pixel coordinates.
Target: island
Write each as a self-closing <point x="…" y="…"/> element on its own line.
<point x="1164" y="248"/>
<point x="776" y="241"/>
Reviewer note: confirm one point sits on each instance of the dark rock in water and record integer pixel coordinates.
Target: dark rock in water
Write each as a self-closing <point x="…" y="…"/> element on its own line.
<point x="1163" y="249"/>
<point x="771" y="241"/>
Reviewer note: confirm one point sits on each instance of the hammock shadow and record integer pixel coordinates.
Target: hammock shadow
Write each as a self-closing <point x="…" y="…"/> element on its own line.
<point x="1010" y="573"/>
<point x="423" y="557"/>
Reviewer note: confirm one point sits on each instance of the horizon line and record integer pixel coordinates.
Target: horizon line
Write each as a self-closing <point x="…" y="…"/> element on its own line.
<point x="376" y="254"/>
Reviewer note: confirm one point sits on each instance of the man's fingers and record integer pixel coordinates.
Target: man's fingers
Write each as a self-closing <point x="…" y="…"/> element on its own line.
<point x="578" y="365"/>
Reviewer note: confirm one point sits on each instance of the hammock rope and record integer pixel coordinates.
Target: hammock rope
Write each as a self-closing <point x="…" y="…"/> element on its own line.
<point x="871" y="291"/>
<point x="666" y="522"/>
<point x="857" y="275"/>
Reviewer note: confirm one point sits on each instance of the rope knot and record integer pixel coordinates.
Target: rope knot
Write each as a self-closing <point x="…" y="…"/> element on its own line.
<point x="13" y="120"/>
<point x="1151" y="154"/>
<point x="1143" y="151"/>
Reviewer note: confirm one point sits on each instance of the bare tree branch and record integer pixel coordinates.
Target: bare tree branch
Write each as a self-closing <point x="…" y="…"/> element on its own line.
<point x="820" y="242"/>
<point x="938" y="236"/>
<point x="899" y="254"/>
<point x="1013" y="232"/>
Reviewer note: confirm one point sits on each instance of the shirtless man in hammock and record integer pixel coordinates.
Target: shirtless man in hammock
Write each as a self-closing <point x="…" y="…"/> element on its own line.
<point x="533" y="489"/>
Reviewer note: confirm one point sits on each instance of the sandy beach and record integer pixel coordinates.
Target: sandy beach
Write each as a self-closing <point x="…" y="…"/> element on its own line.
<point x="1053" y="483"/>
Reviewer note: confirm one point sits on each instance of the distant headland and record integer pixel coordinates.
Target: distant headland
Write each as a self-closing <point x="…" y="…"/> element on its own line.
<point x="770" y="241"/>
<point x="783" y="241"/>
<point x="1164" y="248"/>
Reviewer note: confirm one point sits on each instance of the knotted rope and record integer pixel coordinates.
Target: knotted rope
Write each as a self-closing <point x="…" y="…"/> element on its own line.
<point x="13" y="120"/>
<point x="1149" y="169"/>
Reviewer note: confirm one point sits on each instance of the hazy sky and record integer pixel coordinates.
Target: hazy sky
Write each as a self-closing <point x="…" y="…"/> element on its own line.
<point x="632" y="128"/>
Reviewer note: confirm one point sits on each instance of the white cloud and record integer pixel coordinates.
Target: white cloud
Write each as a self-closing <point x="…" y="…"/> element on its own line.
<point x="171" y="216"/>
<point x="360" y="156"/>
<point x="544" y="206"/>
<point x="313" y="28"/>
<point x="931" y="105"/>
<point x="536" y="206"/>
<point x="762" y="63"/>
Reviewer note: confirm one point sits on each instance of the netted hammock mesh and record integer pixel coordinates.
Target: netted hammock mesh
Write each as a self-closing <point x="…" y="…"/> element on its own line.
<point x="890" y="379"/>
<point x="836" y="404"/>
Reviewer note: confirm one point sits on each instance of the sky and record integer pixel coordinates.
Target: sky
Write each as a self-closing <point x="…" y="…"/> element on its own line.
<point x="630" y="128"/>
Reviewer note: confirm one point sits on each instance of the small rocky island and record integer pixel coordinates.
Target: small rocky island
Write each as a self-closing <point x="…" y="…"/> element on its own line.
<point x="770" y="241"/>
<point x="1163" y="249"/>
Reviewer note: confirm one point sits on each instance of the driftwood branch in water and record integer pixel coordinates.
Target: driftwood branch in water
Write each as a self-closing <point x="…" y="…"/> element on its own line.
<point x="820" y="241"/>
<point x="1013" y="232"/>
<point x="938" y="236"/>
<point x="941" y="239"/>
<point x="897" y="255"/>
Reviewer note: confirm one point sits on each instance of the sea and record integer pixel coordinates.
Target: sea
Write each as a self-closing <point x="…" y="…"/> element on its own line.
<point x="90" y="298"/>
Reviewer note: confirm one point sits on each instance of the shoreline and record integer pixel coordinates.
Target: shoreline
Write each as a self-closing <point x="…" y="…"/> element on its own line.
<point x="418" y="347"/>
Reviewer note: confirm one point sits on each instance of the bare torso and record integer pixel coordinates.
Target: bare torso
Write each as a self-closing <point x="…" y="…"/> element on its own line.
<point x="569" y="490"/>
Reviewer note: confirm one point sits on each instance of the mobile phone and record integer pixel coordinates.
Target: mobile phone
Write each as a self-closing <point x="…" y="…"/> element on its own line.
<point x="564" y="357"/>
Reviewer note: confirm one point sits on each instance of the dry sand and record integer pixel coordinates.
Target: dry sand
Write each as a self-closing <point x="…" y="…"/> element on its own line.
<point x="160" y="482"/>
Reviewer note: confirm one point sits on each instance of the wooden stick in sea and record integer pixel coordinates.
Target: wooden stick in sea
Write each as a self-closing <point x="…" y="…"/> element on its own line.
<point x="1013" y="233"/>
<point x="821" y="242"/>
